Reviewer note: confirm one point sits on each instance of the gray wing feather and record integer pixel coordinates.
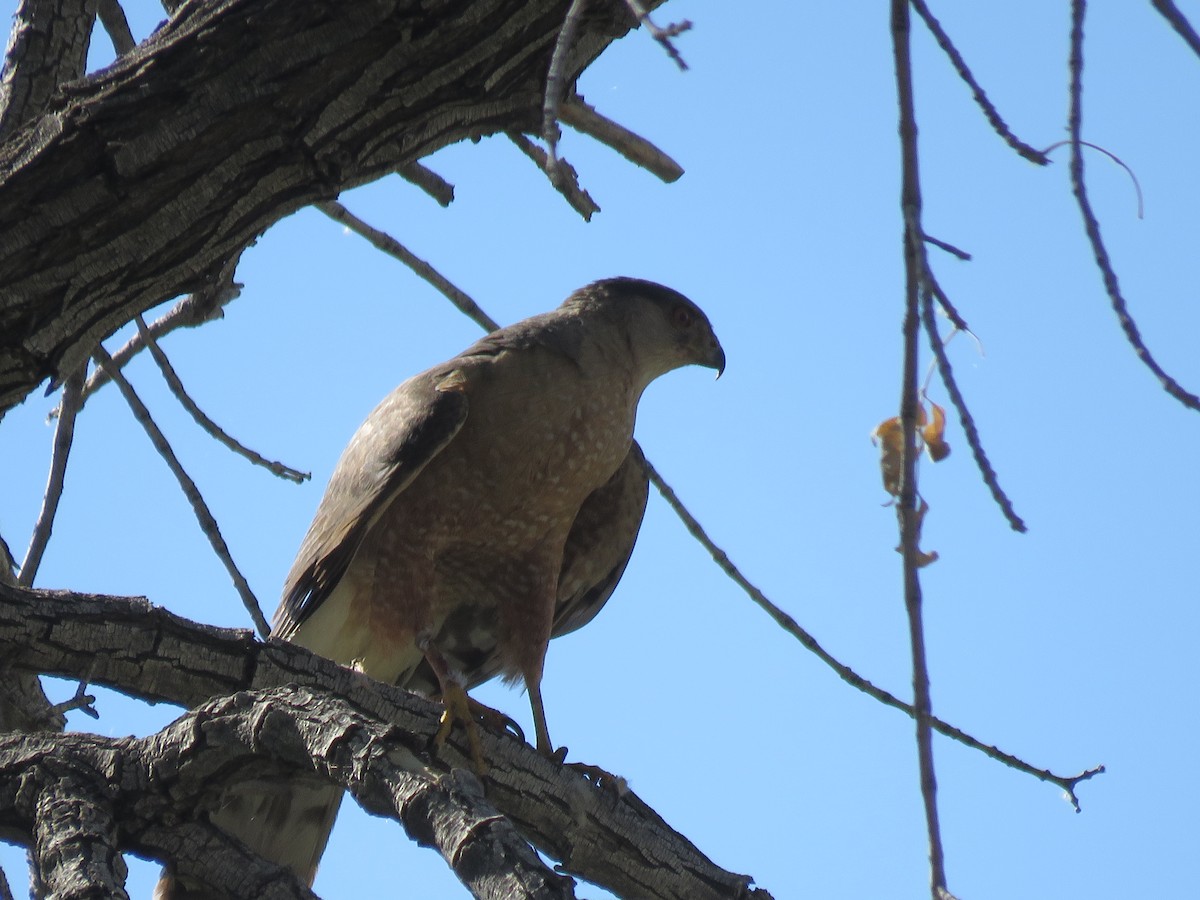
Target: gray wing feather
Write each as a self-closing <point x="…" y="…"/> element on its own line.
<point x="398" y="439"/>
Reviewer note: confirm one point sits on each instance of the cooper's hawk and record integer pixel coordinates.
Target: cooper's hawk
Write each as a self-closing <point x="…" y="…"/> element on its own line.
<point x="486" y="505"/>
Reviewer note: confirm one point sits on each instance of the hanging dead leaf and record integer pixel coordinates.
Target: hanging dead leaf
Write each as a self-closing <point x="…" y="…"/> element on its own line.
<point x="888" y="436"/>
<point x="922" y="558"/>
<point x="934" y="434"/>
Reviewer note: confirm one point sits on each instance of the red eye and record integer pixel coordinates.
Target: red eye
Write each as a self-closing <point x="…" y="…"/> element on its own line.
<point x="681" y="316"/>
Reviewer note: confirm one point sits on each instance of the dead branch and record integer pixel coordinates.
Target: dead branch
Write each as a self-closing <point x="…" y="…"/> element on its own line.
<point x="970" y="429"/>
<point x="1092" y="226"/>
<point x="186" y="401"/>
<point x="908" y="512"/>
<point x="981" y="98"/>
<point x="112" y="17"/>
<point x="429" y="181"/>
<point x="565" y="179"/>
<point x="64" y="437"/>
<point x="148" y="652"/>
<point x="207" y="523"/>
<point x="48" y="48"/>
<point x="583" y="118"/>
<point x="394" y="248"/>
<point x="662" y="35"/>
<point x="1179" y="22"/>
<point x="193" y="310"/>
<point x="248" y="144"/>
<point x="556" y="88"/>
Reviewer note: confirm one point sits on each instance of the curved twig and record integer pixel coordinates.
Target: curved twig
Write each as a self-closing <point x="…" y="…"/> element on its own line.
<point x="181" y="394"/>
<point x="981" y="98"/>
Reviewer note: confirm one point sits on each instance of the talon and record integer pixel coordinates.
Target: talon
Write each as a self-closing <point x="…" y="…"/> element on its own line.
<point x="461" y="708"/>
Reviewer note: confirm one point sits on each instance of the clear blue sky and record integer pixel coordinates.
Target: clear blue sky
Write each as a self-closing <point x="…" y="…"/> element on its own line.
<point x="1072" y="645"/>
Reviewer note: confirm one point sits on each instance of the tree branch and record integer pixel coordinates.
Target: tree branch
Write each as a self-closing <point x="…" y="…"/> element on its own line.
<point x="176" y="385"/>
<point x="193" y="143"/>
<point x="908" y="512"/>
<point x="208" y="524"/>
<point x="148" y="652"/>
<point x="48" y="48"/>
<point x="583" y="118"/>
<point x="64" y="437"/>
<point x="1092" y="227"/>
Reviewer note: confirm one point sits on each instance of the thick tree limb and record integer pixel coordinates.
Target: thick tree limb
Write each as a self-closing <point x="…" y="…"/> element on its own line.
<point x="148" y="652"/>
<point x="136" y="185"/>
<point x="48" y="48"/>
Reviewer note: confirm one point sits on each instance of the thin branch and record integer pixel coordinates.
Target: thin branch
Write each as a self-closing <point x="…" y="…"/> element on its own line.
<point x="64" y="436"/>
<point x="5" y="890"/>
<point x="207" y="523"/>
<point x="1137" y="186"/>
<point x="556" y="88"/>
<point x="565" y="179"/>
<point x="844" y="672"/>
<point x="112" y="17"/>
<point x="1179" y="22"/>
<point x="662" y="35"/>
<point x="82" y="701"/>
<point x="583" y="118"/>
<point x="1092" y="226"/>
<point x="949" y="248"/>
<point x="181" y="394"/>
<point x="936" y="344"/>
<point x="429" y="181"/>
<point x="981" y="98"/>
<point x="193" y="310"/>
<point x="907" y="511"/>
<point x="394" y="248"/>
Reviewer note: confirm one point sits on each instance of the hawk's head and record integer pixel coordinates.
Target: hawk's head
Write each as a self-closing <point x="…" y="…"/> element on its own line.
<point x="665" y="329"/>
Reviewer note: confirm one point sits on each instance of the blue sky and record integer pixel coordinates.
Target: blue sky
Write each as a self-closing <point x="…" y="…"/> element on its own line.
<point x="1069" y="646"/>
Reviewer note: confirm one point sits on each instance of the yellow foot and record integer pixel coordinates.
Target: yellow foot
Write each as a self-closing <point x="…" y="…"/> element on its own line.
<point x="471" y="713"/>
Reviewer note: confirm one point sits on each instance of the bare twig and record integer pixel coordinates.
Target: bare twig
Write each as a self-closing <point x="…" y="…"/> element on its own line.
<point x="662" y="35"/>
<point x="949" y="248"/>
<point x="112" y="17"/>
<point x="907" y="510"/>
<point x="960" y="404"/>
<point x="394" y="248"/>
<point x="82" y="701"/>
<point x="565" y="179"/>
<point x="1092" y="226"/>
<point x="207" y="523"/>
<point x="583" y="118"/>
<point x="194" y="309"/>
<point x="429" y="181"/>
<point x="1137" y="187"/>
<point x="981" y="98"/>
<point x="181" y="394"/>
<point x="847" y="674"/>
<point x="1179" y="22"/>
<point x="556" y="88"/>
<point x="64" y="436"/>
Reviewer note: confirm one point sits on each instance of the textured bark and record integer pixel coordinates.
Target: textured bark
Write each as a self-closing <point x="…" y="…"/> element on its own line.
<point x="148" y="652"/>
<point x="138" y="184"/>
<point x="49" y="48"/>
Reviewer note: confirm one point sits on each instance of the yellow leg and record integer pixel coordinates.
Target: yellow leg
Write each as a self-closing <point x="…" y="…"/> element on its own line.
<point x="459" y="708"/>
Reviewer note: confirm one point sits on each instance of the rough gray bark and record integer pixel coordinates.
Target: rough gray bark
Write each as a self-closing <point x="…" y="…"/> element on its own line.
<point x="138" y="184"/>
<point x="148" y="652"/>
